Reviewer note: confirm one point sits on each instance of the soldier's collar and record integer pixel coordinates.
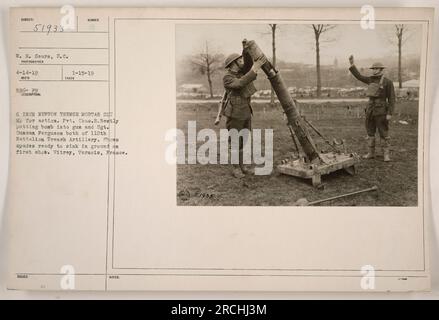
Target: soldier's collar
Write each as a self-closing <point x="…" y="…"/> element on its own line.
<point x="234" y="72"/>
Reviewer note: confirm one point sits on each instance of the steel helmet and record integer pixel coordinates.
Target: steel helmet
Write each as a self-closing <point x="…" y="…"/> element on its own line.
<point x="377" y="65"/>
<point x="232" y="57"/>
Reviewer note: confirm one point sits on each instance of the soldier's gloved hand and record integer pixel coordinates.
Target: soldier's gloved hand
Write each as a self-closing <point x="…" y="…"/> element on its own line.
<point x="351" y="59"/>
<point x="388" y="117"/>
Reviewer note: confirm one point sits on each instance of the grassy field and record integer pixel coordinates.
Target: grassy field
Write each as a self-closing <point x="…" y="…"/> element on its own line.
<point x="212" y="185"/>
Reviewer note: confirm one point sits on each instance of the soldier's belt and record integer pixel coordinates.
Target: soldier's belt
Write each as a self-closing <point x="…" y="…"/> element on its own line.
<point x="377" y="102"/>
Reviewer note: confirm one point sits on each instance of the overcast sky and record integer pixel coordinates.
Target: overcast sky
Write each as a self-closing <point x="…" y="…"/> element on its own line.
<point x="295" y="43"/>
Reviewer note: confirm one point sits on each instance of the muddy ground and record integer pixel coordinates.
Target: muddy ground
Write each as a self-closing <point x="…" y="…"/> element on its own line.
<point x="213" y="185"/>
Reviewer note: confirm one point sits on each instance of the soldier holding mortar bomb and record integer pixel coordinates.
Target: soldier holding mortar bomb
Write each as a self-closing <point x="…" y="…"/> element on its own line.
<point x="241" y="71"/>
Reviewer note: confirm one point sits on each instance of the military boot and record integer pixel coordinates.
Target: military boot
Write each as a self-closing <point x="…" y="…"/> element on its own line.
<point x="386" y="149"/>
<point x="371" y="146"/>
<point x="237" y="172"/>
<point x="247" y="169"/>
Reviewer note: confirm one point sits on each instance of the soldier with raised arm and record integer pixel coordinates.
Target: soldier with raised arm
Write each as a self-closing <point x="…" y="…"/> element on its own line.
<point x="380" y="108"/>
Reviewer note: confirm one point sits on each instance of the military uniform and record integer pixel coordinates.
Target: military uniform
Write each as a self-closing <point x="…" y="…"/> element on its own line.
<point x="240" y="88"/>
<point x="381" y="103"/>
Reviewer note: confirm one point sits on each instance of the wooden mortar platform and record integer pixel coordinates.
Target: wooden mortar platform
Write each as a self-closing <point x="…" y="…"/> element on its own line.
<point x="329" y="162"/>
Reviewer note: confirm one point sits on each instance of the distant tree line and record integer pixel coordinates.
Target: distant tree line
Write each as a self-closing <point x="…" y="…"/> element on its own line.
<point x="209" y="65"/>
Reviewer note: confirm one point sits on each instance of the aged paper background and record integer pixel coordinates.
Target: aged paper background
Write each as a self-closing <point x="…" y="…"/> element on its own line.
<point x="184" y="227"/>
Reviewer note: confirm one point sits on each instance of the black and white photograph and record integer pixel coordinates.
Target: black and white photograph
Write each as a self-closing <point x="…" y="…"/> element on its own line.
<point x="303" y="114"/>
<point x="220" y="152"/>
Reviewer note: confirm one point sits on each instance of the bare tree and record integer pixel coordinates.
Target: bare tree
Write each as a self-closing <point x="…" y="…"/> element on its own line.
<point x="403" y="34"/>
<point x="273" y="28"/>
<point x="319" y="29"/>
<point x="207" y="63"/>
<point x="399" y="30"/>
